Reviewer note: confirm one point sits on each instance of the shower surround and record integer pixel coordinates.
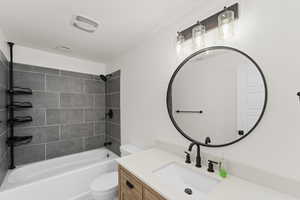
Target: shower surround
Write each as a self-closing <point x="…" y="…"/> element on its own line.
<point x="3" y="115"/>
<point x="113" y="132"/>
<point x="68" y="113"/>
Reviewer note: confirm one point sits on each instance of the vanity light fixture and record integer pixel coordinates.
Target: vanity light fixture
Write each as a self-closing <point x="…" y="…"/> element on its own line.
<point x="179" y="42"/>
<point x="226" y="23"/>
<point x="223" y="20"/>
<point x="198" y="35"/>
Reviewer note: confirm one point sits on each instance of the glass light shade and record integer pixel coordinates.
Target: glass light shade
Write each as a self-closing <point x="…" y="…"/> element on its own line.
<point x="226" y="24"/>
<point x="199" y="35"/>
<point x="179" y="42"/>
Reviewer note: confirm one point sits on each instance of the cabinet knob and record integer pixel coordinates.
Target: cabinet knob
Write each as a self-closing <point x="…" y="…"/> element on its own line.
<point x="130" y="185"/>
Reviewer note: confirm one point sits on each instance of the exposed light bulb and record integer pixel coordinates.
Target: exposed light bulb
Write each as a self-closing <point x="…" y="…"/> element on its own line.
<point x="198" y="34"/>
<point x="226" y="23"/>
<point x="179" y="42"/>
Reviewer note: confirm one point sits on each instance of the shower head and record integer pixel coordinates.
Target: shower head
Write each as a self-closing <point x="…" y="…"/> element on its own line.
<point x="105" y="78"/>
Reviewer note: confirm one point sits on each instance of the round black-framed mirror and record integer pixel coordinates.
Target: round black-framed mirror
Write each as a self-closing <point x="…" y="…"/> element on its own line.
<point x="236" y="65"/>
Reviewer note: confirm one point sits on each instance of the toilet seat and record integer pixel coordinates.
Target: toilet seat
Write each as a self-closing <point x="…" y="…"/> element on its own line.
<point x="105" y="183"/>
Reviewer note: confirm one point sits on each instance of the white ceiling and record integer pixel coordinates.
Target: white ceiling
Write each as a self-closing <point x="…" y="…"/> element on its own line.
<point x="45" y="24"/>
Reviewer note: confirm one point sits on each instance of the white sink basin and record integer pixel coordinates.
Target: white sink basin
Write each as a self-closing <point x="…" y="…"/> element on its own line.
<point x="183" y="179"/>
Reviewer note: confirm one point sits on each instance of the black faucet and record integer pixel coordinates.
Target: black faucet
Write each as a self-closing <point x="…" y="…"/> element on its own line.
<point x="207" y="140"/>
<point x="187" y="158"/>
<point x="211" y="166"/>
<point x="198" y="157"/>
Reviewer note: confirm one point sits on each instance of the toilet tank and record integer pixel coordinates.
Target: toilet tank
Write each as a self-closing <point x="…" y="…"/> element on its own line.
<point x="128" y="149"/>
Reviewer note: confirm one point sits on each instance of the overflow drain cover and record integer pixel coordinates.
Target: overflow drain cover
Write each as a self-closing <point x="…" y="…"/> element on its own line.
<point x="188" y="191"/>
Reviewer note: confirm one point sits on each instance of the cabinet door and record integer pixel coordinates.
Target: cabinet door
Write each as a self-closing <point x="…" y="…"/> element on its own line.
<point x="148" y="195"/>
<point x="130" y="188"/>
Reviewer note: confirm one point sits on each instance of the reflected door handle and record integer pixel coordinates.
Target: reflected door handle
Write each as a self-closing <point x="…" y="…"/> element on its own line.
<point x="191" y="111"/>
<point x="241" y="132"/>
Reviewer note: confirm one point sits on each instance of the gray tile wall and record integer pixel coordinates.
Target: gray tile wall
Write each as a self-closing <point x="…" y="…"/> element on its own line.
<point x="68" y="114"/>
<point x="113" y="102"/>
<point x="3" y="116"/>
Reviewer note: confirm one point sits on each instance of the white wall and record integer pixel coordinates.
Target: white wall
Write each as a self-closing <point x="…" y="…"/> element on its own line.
<point x="41" y="58"/>
<point x="3" y="45"/>
<point x="269" y="32"/>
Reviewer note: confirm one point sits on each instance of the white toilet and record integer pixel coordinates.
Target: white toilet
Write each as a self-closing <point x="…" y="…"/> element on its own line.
<point x="105" y="187"/>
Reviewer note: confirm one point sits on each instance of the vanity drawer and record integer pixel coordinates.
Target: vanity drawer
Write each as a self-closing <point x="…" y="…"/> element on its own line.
<point x="151" y="195"/>
<point x="130" y="187"/>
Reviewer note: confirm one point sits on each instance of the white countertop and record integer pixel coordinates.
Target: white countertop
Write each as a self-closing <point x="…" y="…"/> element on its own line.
<point x="144" y="163"/>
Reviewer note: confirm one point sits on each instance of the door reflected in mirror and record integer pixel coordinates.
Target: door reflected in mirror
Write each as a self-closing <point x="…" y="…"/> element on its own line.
<point x="217" y="96"/>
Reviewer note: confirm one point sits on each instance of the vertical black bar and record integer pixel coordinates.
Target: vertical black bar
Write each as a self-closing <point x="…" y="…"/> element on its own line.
<point x="11" y="101"/>
<point x="106" y="128"/>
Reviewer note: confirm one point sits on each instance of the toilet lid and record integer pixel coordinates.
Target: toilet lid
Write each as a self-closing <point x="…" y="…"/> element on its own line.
<point x="105" y="182"/>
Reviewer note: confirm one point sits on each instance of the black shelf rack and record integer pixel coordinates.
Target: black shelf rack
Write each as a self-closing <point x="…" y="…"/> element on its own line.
<point x="20" y="105"/>
<point x="19" y="120"/>
<point x="17" y="141"/>
<point x="12" y="140"/>
<point x="20" y="91"/>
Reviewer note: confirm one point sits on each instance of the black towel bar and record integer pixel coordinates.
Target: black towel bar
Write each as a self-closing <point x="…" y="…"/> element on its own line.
<point x="187" y="111"/>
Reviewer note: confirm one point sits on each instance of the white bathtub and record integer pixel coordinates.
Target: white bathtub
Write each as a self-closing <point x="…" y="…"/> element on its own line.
<point x="61" y="178"/>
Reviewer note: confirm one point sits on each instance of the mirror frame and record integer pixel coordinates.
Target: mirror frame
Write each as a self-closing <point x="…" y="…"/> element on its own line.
<point x="169" y="95"/>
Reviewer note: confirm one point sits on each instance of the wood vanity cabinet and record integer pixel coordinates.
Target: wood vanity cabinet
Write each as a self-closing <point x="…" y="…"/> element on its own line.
<point x="131" y="188"/>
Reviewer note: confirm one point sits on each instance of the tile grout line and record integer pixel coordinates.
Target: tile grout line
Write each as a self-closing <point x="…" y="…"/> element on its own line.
<point x="32" y="72"/>
<point x="64" y="124"/>
<point x="84" y="115"/>
<point x="45" y="151"/>
<point x="113" y="123"/>
<point x="46" y="120"/>
<point x="59" y="133"/>
<point x="94" y="128"/>
<point x="2" y="157"/>
<point x="54" y="71"/>
<point x="113" y="93"/>
<point x="83" y="144"/>
<point x="114" y="77"/>
<point x="3" y="133"/>
<point x="94" y="100"/>
<point x="58" y="141"/>
<point x="45" y="82"/>
<point x="113" y="138"/>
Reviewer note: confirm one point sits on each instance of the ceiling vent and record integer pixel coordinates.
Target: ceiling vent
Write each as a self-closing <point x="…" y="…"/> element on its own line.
<point x="84" y="24"/>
